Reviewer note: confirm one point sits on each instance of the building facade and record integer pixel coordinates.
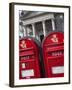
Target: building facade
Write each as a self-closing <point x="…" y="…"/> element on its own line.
<point x="39" y="24"/>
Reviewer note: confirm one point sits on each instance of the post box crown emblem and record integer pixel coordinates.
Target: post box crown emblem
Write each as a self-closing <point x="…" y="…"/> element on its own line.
<point x="23" y="44"/>
<point x="54" y="38"/>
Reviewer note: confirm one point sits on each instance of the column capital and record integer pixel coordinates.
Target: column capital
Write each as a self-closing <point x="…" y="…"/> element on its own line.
<point x="32" y="23"/>
<point x="43" y="21"/>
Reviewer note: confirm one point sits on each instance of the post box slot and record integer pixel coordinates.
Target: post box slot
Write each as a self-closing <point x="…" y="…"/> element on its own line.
<point x="26" y="49"/>
<point x="54" y="44"/>
<point x="56" y="48"/>
<point x="26" y="53"/>
<point x="49" y="58"/>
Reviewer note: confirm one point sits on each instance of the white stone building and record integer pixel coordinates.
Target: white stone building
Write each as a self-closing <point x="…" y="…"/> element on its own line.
<point x="37" y="24"/>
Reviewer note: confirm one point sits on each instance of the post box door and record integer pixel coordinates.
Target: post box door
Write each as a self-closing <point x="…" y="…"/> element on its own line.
<point x="53" y="54"/>
<point x="29" y="59"/>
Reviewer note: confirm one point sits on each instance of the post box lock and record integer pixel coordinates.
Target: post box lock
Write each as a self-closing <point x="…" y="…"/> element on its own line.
<point x="23" y="65"/>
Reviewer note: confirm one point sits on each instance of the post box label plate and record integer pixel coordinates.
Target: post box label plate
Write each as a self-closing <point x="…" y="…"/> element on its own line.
<point x="26" y="73"/>
<point x="57" y="70"/>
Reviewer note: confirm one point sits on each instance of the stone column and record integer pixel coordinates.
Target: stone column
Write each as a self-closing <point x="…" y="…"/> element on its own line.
<point x="33" y="28"/>
<point x="24" y="31"/>
<point x="53" y="24"/>
<point x="44" y="28"/>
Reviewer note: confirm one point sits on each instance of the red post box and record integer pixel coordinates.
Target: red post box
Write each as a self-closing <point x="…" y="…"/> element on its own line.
<point x="28" y="59"/>
<point x="53" y="54"/>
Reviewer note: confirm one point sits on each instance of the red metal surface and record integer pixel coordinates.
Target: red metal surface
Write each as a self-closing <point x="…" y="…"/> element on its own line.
<point x="29" y="55"/>
<point x="53" y="53"/>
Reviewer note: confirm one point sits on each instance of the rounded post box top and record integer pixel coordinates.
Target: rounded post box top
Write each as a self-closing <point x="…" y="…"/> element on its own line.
<point x="28" y="43"/>
<point x="54" y="38"/>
